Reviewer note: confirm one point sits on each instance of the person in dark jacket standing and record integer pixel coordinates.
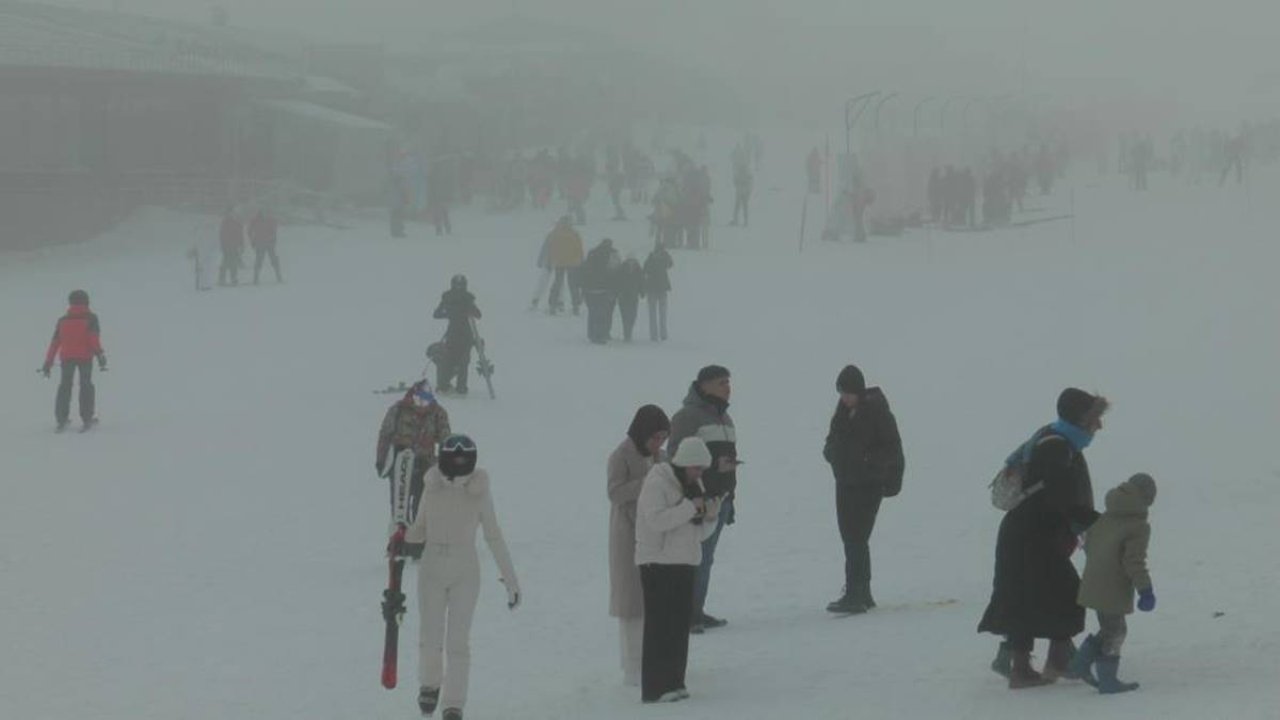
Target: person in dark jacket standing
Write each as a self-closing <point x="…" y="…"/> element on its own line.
<point x="231" y="239"/>
<point x="262" y="236"/>
<point x="458" y="306"/>
<point x="599" y="283"/>
<point x="630" y="290"/>
<point x="657" y="284"/>
<point x="76" y="341"/>
<point x="865" y="453"/>
<point x="1035" y="587"/>
<point x="705" y="415"/>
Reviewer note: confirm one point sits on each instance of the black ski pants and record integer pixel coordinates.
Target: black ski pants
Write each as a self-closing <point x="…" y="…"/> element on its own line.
<point x="600" y="308"/>
<point x="629" y="307"/>
<point x="62" y="406"/>
<point x="856" y="509"/>
<point x="668" y="608"/>
<point x="454" y="368"/>
<point x="263" y="253"/>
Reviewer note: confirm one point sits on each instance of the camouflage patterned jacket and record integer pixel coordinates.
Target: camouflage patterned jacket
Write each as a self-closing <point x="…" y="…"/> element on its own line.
<point x="418" y="428"/>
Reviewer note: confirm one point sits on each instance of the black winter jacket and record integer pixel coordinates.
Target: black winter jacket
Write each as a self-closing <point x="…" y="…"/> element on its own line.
<point x="864" y="448"/>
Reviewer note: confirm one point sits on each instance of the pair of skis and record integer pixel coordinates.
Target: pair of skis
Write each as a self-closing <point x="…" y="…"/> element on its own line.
<point x="393" y="597"/>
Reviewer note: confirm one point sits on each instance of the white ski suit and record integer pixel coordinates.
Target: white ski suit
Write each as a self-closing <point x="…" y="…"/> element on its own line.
<point x="449" y="576"/>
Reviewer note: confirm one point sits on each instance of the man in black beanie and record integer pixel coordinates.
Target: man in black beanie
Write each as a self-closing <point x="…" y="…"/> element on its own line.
<point x="705" y="414"/>
<point x="865" y="453"/>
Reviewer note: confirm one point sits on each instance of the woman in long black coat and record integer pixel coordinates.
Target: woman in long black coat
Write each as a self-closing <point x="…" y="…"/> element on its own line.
<point x="1034" y="593"/>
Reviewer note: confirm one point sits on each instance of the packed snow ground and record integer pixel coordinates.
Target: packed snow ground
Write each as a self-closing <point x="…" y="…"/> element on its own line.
<point x="214" y="549"/>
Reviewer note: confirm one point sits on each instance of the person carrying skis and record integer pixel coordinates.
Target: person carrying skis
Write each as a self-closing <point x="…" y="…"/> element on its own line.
<point x="456" y="501"/>
<point x="76" y="342"/>
<point x="458" y="306"/>
<point x="415" y="423"/>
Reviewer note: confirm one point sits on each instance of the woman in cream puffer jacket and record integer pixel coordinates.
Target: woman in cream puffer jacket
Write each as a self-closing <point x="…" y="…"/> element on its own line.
<point x="673" y="517"/>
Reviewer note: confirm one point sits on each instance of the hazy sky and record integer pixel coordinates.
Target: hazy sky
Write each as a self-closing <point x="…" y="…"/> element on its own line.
<point x="1173" y="48"/>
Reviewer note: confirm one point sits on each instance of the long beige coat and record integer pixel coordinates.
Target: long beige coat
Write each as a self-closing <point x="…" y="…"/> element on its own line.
<point x="1116" y="554"/>
<point x="627" y="469"/>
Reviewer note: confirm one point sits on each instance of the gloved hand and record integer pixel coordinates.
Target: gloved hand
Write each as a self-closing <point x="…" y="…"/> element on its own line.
<point x="102" y="362"/>
<point x="513" y="595"/>
<point x="44" y="370"/>
<point x="381" y="466"/>
<point x="1146" y="599"/>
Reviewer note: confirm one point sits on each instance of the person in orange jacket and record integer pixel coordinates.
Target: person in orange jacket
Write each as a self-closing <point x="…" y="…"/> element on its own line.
<point x="76" y="341"/>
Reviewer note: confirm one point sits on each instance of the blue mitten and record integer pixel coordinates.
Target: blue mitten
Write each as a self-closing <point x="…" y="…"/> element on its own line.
<point x="1146" y="600"/>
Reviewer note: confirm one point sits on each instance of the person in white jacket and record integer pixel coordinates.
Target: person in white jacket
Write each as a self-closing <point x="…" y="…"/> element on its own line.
<point x="670" y="528"/>
<point x="455" y="501"/>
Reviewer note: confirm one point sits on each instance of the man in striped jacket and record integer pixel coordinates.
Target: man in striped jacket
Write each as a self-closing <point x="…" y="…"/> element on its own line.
<point x="705" y="415"/>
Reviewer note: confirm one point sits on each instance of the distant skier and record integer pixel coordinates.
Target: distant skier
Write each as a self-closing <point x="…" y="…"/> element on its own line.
<point x="76" y="341"/>
<point x="416" y="422"/>
<point x="263" y="230"/>
<point x="456" y="501"/>
<point x="231" y="239"/>
<point x="564" y="254"/>
<point x="458" y="306"/>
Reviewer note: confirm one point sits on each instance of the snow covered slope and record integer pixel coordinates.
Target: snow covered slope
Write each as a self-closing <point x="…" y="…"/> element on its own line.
<point x="214" y="549"/>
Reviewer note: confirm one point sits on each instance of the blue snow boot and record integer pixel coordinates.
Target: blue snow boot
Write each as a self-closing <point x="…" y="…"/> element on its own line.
<point x="1081" y="665"/>
<point x="1108" y="684"/>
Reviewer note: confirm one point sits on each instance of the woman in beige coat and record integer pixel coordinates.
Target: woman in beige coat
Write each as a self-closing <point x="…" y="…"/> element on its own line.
<point x="628" y="465"/>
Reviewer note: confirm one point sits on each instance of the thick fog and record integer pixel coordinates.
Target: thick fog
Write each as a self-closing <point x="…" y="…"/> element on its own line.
<point x="1207" y="60"/>
<point x="548" y="359"/>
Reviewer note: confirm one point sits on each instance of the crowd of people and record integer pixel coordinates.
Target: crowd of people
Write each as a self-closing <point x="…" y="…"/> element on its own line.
<point x="605" y="282"/>
<point x="953" y="193"/>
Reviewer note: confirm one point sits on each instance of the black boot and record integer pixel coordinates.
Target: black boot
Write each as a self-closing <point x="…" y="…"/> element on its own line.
<point x="848" y="604"/>
<point x="428" y="698"/>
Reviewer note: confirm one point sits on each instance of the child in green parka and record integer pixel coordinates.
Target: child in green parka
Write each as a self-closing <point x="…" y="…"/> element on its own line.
<point x="1115" y="568"/>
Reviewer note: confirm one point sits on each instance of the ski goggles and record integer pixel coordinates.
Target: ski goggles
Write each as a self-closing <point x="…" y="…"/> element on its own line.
<point x="458" y="443"/>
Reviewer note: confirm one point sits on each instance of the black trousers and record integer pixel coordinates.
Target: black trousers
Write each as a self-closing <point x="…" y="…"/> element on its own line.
<point x="453" y="371"/>
<point x="856" y="509"/>
<point x="600" y="309"/>
<point x="628" y="307"/>
<point x="668" y="607"/>
<point x="264" y="253"/>
<point x="62" y="406"/>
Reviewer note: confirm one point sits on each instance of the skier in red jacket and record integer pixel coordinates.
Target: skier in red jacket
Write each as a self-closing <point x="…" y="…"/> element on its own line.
<point x="75" y="340"/>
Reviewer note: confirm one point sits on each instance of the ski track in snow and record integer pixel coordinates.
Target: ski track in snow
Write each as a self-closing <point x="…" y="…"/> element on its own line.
<point x="214" y="548"/>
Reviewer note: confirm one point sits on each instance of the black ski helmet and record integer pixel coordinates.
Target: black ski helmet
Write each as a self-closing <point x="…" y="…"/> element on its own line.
<point x="78" y="297"/>
<point x="459" y="282"/>
<point x="457" y="456"/>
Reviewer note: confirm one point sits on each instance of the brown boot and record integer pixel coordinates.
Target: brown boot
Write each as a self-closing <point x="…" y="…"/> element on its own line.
<point x="1057" y="665"/>
<point x="1021" y="675"/>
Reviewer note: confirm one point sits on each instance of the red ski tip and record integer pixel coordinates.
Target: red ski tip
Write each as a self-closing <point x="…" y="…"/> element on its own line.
<point x="389" y="676"/>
